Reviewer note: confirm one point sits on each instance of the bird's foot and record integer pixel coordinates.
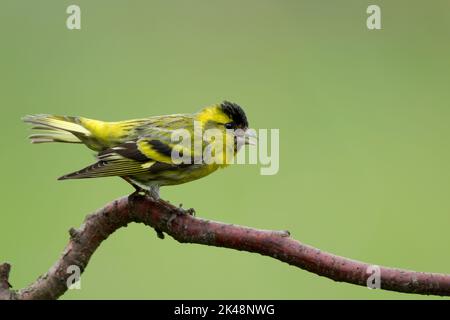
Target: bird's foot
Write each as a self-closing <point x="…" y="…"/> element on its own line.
<point x="153" y="193"/>
<point x="181" y="211"/>
<point x="152" y="196"/>
<point x="191" y="212"/>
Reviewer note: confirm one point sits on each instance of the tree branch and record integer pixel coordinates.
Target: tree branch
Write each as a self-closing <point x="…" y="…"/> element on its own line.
<point x="185" y="228"/>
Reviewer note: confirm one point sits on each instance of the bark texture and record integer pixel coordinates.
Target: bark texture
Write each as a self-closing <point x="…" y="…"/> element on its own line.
<point x="185" y="228"/>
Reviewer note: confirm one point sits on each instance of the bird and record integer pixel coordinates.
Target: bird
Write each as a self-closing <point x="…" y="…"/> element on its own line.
<point x="141" y="150"/>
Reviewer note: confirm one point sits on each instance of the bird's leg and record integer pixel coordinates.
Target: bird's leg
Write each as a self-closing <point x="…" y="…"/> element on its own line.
<point x="153" y="192"/>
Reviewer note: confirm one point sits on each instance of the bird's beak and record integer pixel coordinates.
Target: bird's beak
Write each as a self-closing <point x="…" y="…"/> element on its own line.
<point x="250" y="137"/>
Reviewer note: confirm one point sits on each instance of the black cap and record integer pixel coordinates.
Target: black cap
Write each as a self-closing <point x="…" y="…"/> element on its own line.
<point x="235" y="113"/>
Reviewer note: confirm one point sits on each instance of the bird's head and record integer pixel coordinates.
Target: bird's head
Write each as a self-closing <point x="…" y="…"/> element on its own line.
<point x="227" y="117"/>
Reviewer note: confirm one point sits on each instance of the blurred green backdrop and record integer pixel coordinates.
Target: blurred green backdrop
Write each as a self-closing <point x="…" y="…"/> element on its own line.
<point x="363" y="118"/>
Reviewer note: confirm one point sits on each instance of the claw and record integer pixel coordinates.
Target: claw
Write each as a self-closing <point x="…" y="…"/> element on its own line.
<point x="180" y="211"/>
<point x="190" y="211"/>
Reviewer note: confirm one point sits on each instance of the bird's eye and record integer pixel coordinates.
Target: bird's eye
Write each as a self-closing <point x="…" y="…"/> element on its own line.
<point x="229" y="125"/>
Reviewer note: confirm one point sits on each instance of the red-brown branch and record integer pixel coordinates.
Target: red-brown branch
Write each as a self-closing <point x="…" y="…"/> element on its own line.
<point x="166" y="218"/>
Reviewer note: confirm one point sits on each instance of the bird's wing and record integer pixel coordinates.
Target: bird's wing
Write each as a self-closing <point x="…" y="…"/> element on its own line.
<point x="162" y="150"/>
<point x="132" y="158"/>
<point x="173" y="135"/>
<point x="123" y="160"/>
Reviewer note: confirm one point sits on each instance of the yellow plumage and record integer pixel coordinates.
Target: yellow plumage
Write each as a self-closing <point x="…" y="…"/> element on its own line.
<point x="140" y="150"/>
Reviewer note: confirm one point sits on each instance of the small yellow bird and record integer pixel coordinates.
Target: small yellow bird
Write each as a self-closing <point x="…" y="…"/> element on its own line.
<point x="141" y="150"/>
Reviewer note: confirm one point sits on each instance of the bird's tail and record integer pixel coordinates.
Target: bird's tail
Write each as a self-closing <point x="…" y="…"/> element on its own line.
<point x="56" y="128"/>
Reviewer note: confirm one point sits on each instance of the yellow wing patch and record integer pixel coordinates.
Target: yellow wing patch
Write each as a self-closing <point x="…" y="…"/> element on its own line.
<point x="156" y="150"/>
<point x="160" y="151"/>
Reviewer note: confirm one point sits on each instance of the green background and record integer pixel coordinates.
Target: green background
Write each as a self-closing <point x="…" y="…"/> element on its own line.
<point x="364" y="129"/>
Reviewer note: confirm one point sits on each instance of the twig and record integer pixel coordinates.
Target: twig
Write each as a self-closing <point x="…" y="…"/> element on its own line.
<point x="166" y="218"/>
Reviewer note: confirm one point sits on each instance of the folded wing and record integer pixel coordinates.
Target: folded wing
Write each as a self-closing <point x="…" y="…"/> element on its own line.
<point x="132" y="158"/>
